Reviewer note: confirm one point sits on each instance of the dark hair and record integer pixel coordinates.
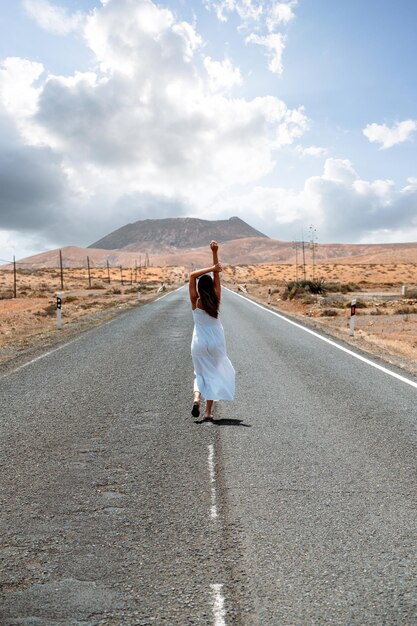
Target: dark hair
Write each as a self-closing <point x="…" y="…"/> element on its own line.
<point x="208" y="297"/>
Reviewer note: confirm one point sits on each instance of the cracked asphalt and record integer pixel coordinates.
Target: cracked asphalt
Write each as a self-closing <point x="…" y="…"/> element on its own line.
<point x="106" y="494"/>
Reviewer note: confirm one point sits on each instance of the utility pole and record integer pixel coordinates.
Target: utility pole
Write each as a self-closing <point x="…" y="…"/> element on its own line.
<point x="295" y="246"/>
<point x="121" y="275"/>
<point x="304" y="257"/>
<point x="313" y="236"/>
<point x="108" y="272"/>
<point x="14" y="277"/>
<point x="62" y="271"/>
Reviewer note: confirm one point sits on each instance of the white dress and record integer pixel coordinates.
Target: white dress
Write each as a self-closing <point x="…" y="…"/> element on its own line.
<point x="214" y="373"/>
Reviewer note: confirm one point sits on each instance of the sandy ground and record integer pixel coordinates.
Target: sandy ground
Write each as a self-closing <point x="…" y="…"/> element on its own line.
<point x="386" y="323"/>
<point x="30" y="320"/>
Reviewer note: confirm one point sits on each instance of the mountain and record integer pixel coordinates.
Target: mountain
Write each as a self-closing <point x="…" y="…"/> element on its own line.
<point x="184" y="241"/>
<point x="235" y="252"/>
<point x="174" y="233"/>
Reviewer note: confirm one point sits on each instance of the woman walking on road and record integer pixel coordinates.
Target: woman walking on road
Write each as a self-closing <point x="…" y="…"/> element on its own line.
<point x="214" y="373"/>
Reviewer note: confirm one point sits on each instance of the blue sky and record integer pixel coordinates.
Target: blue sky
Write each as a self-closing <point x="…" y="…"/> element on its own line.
<point x="285" y="113"/>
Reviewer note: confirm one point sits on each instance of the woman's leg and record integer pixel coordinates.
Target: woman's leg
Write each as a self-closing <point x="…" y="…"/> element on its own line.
<point x="209" y="407"/>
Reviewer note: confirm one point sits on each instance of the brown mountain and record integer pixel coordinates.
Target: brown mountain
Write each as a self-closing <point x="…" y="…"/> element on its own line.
<point x="185" y="242"/>
<point x="175" y="232"/>
<point x="234" y="252"/>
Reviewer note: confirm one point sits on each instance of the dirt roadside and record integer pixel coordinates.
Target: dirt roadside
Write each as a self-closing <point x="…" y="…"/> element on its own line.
<point x="390" y="338"/>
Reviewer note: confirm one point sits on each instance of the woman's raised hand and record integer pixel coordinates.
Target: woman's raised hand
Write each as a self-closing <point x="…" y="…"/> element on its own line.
<point x="217" y="267"/>
<point x="214" y="246"/>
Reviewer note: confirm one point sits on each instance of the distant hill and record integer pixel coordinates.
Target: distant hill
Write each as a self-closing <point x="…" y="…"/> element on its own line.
<point x="184" y="241"/>
<point x="175" y="233"/>
<point x="235" y="252"/>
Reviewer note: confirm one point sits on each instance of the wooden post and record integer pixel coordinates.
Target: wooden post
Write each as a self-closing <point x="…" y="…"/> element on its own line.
<point x="14" y="277"/>
<point x="121" y="275"/>
<point x="89" y="272"/>
<point x="108" y="271"/>
<point x="62" y="271"/>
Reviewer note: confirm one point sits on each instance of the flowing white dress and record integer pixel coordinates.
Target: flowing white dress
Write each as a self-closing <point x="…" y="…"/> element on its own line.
<point x="214" y="373"/>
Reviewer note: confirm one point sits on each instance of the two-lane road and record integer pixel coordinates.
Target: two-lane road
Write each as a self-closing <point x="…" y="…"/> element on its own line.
<point x="298" y="507"/>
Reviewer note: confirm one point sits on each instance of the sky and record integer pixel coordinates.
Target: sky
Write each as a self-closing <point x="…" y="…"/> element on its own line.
<point x="298" y="116"/>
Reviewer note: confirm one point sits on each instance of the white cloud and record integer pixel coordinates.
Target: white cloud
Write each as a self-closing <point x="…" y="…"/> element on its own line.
<point x="154" y="122"/>
<point x="388" y="137"/>
<point x="17" y="93"/>
<point x="222" y="74"/>
<point x="341" y="205"/>
<point x="314" y="151"/>
<point x="267" y="13"/>
<point x="275" y="44"/>
<point x="53" y="18"/>
<point x="280" y="13"/>
<point x="248" y="10"/>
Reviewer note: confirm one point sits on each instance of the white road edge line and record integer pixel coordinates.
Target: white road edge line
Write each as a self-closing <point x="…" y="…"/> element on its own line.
<point x="218" y="608"/>
<point x="329" y="341"/>
<point x="211" y="465"/>
<point x="43" y="356"/>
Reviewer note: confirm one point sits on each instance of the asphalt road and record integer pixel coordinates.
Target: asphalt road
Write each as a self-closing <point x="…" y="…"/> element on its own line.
<point x="297" y="507"/>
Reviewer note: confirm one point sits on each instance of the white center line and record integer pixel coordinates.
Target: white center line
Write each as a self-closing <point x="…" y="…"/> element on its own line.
<point x="332" y="343"/>
<point x="218" y="608"/>
<point x="211" y="465"/>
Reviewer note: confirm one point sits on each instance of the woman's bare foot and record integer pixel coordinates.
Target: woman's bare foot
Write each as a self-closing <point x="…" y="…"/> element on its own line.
<point x="195" y="411"/>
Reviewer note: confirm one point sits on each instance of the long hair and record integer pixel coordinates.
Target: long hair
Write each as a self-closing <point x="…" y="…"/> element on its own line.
<point x="208" y="298"/>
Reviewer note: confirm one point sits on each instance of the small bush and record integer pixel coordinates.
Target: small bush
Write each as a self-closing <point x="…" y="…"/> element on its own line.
<point x="405" y="310"/>
<point x="50" y="310"/>
<point x="116" y="291"/>
<point x="329" y="313"/>
<point x="308" y="300"/>
<point x="6" y="295"/>
<point x="298" y="288"/>
<point x="360" y="304"/>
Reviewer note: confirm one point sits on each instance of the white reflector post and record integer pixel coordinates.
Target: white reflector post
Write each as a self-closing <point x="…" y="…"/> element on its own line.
<point x="59" y="310"/>
<point x="352" y="317"/>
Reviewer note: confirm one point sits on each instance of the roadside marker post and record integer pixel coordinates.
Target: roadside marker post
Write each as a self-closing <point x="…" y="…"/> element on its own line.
<point x="59" y="310"/>
<point x="352" y="317"/>
<point x="269" y="295"/>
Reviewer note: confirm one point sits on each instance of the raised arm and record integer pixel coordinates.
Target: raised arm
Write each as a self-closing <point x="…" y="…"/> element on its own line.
<point x="215" y="268"/>
<point x="216" y="276"/>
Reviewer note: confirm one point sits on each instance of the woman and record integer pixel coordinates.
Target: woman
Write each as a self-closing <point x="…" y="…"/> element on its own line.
<point x="214" y="373"/>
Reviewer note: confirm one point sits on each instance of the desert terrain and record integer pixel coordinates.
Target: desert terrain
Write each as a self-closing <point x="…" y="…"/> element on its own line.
<point x="29" y="320"/>
<point x="386" y="323"/>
